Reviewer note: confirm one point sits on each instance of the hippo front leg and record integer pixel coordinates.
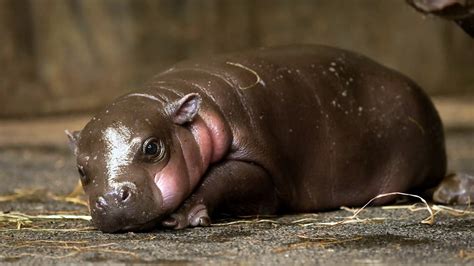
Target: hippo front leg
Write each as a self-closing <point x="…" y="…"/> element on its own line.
<point x="235" y="187"/>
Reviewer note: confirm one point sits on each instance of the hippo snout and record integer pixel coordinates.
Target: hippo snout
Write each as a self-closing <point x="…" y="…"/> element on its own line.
<point x="125" y="207"/>
<point x="114" y="199"/>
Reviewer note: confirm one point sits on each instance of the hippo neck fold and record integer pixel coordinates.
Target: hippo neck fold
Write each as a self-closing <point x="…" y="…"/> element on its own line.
<point x="211" y="136"/>
<point x="199" y="146"/>
<point x="194" y="151"/>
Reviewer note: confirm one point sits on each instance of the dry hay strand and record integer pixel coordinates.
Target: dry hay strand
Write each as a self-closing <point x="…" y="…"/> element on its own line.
<point x="76" y="248"/>
<point x="436" y="208"/>
<point x="354" y="219"/>
<point x="73" y="247"/>
<point x="40" y="195"/>
<point x="41" y="243"/>
<point x="253" y="221"/>
<point x="453" y="211"/>
<point x="22" y="219"/>
<point x="18" y="216"/>
<point x="86" y="229"/>
<point x="466" y="254"/>
<point x="22" y="255"/>
<point x="304" y="222"/>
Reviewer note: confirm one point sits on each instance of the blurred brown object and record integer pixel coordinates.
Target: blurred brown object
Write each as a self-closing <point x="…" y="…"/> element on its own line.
<point x="461" y="11"/>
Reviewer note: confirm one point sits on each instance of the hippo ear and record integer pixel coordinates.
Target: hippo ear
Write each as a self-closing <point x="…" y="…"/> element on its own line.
<point x="185" y="109"/>
<point x="73" y="139"/>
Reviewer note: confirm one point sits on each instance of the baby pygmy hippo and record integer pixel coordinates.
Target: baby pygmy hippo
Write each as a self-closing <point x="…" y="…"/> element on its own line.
<point x="273" y="130"/>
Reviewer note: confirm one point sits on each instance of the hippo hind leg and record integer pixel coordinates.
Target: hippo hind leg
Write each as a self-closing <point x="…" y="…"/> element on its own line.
<point x="455" y="189"/>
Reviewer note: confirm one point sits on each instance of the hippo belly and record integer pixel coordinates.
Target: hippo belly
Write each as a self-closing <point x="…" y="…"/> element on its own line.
<point x="288" y="129"/>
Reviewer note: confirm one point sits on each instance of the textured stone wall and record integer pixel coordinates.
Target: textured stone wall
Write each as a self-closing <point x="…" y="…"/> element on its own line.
<point x="59" y="56"/>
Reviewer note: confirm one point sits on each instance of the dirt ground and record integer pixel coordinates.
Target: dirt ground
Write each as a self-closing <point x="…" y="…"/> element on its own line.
<point x="37" y="170"/>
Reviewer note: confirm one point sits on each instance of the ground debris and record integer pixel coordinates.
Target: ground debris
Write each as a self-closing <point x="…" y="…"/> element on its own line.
<point x="437" y="208"/>
<point x="23" y="221"/>
<point x="311" y="242"/>
<point x="466" y="254"/>
<point x="41" y="195"/>
<point x="64" y="226"/>
<point x="313" y="221"/>
<point x="18" y="216"/>
<point x="63" y="249"/>
<point x="36" y="221"/>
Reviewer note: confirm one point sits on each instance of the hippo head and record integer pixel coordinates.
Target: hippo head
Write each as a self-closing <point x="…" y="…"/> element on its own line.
<point x="138" y="160"/>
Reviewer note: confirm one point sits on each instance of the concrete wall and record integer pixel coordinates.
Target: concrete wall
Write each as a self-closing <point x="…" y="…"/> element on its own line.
<point x="60" y="56"/>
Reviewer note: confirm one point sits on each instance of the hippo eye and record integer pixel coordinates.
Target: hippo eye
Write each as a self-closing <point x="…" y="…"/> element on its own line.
<point x="82" y="174"/>
<point x="153" y="148"/>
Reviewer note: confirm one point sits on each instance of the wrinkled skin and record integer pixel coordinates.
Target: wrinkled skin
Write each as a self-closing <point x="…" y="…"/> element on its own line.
<point x="289" y="129"/>
<point x="460" y="11"/>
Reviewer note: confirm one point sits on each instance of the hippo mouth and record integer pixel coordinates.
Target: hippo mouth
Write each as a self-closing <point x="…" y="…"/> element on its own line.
<point x="117" y="226"/>
<point x="143" y="227"/>
<point x="140" y="210"/>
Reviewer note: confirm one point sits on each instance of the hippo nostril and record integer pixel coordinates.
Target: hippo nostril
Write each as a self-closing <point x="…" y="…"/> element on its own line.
<point x="125" y="193"/>
<point x="101" y="203"/>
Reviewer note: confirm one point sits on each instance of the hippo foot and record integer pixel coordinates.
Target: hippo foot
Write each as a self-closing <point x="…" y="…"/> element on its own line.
<point x="455" y="189"/>
<point x="185" y="217"/>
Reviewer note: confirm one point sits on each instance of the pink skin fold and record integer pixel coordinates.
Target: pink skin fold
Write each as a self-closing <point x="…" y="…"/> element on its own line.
<point x="194" y="150"/>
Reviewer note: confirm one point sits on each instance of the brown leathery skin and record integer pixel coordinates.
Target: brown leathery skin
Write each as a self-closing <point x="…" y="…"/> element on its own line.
<point x="288" y="129"/>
